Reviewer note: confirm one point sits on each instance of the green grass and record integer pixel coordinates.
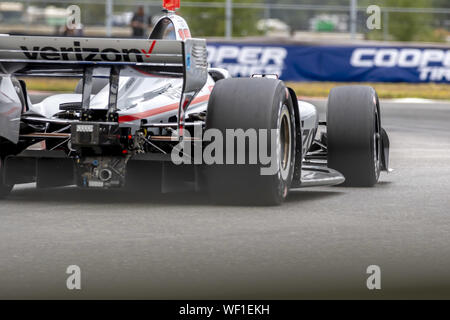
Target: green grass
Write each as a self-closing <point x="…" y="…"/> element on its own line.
<point x="385" y="90"/>
<point x="51" y="84"/>
<point x="303" y="89"/>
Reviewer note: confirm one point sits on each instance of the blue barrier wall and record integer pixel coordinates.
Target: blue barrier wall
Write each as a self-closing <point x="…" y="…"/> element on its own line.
<point x="334" y="63"/>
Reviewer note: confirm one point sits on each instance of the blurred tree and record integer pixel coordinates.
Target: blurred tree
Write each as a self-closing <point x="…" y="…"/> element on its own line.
<point x="211" y="21"/>
<point x="441" y="3"/>
<point x="93" y="14"/>
<point x="410" y="26"/>
<point x="299" y="19"/>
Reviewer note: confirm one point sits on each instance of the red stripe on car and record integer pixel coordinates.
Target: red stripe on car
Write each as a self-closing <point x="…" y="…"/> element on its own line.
<point x="156" y="111"/>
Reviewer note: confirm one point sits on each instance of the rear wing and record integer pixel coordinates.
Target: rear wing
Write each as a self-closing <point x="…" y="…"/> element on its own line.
<point x="100" y="57"/>
<point x="31" y="55"/>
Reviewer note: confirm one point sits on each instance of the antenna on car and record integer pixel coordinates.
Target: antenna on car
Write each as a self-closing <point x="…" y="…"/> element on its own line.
<point x="171" y="5"/>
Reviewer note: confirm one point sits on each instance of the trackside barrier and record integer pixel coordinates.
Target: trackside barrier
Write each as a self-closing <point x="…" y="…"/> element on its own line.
<point x="340" y="63"/>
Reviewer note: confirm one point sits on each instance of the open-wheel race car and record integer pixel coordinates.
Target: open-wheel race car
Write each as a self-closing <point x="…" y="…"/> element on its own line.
<point x="139" y="104"/>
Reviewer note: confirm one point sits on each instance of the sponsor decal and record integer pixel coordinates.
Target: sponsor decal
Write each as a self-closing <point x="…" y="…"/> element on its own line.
<point x="289" y="62"/>
<point x="432" y="64"/>
<point x="245" y="61"/>
<point x="79" y="53"/>
<point x="345" y="63"/>
<point x="150" y="50"/>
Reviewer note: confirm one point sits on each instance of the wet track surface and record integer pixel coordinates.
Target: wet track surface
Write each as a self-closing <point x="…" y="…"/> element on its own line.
<point x="317" y="245"/>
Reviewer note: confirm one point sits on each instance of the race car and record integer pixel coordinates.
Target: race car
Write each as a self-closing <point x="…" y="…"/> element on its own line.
<point x="144" y="110"/>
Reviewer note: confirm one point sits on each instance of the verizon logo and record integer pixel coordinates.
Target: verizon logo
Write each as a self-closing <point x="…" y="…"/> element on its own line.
<point x="78" y="53"/>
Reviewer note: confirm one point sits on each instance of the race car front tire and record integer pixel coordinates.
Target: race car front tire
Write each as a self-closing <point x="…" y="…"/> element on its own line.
<point x="258" y="104"/>
<point x="354" y="134"/>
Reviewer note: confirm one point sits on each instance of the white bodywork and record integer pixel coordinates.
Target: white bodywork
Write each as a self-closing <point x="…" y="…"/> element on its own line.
<point x="153" y="100"/>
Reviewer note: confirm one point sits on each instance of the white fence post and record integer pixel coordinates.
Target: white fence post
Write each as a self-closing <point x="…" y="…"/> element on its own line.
<point x="229" y="19"/>
<point x="109" y="17"/>
<point x="353" y="17"/>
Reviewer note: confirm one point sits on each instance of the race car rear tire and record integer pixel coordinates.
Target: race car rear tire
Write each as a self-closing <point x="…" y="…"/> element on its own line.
<point x="5" y="190"/>
<point x="354" y="134"/>
<point x="259" y="104"/>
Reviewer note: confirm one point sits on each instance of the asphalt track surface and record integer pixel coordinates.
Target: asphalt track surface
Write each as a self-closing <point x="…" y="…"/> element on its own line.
<point x="317" y="245"/>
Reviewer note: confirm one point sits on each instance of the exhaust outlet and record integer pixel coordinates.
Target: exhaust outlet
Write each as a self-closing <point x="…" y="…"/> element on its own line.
<point x="105" y="175"/>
